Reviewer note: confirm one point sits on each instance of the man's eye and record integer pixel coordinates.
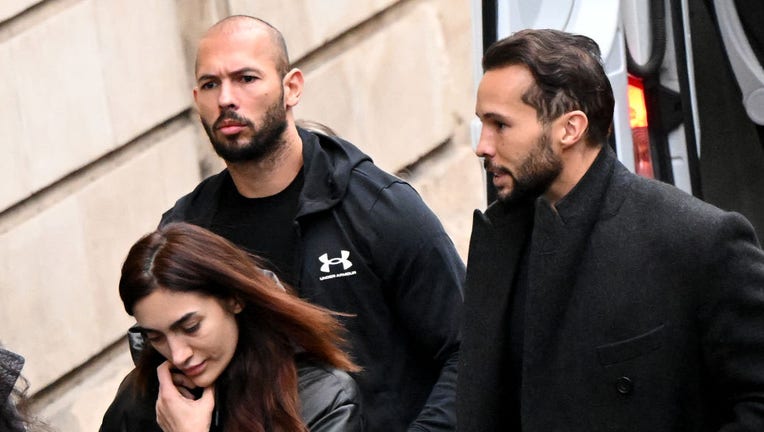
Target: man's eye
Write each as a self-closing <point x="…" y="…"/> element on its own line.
<point x="208" y="85"/>
<point x="248" y="78"/>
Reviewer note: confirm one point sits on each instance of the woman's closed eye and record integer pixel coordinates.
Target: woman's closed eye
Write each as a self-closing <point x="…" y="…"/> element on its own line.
<point x="153" y="337"/>
<point x="192" y="328"/>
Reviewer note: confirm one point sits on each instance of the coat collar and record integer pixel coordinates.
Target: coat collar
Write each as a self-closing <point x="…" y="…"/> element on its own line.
<point x="586" y="198"/>
<point x="502" y="224"/>
<point x="576" y="211"/>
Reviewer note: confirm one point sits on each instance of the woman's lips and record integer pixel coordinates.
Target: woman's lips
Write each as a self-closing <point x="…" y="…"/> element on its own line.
<point x="195" y="370"/>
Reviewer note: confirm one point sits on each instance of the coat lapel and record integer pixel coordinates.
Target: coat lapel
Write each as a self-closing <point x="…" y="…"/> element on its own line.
<point x="495" y="248"/>
<point x="497" y="241"/>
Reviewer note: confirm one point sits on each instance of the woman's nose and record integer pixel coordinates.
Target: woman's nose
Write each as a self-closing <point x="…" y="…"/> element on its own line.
<point x="180" y="351"/>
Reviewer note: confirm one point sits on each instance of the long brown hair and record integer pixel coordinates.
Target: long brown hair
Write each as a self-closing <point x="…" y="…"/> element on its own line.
<point x="258" y="389"/>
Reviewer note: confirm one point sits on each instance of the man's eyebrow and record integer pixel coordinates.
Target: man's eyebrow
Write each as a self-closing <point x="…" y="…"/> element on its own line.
<point x="206" y="77"/>
<point x="491" y="116"/>
<point x="174" y="326"/>
<point x="243" y="70"/>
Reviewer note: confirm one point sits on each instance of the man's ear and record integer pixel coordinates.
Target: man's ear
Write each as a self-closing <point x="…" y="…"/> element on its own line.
<point x="574" y="126"/>
<point x="293" y="83"/>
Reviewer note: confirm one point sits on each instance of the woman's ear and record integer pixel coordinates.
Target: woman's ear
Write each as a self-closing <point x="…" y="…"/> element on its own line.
<point x="574" y="127"/>
<point x="235" y="305"/>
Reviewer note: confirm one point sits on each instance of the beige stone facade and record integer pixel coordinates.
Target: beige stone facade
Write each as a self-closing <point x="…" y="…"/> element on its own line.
<point x="100" y="136"/>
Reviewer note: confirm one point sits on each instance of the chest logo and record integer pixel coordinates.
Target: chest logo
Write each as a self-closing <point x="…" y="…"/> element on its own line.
<point x="342" y="259"/>
<point x="327" y="265"/>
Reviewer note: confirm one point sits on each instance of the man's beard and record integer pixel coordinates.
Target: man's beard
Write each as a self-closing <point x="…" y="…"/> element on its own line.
<point x="539" y="169"/>
<point x="265" y="141"/>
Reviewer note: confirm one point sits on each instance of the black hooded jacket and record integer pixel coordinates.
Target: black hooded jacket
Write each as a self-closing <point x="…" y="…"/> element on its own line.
<point x="369" y="246"/>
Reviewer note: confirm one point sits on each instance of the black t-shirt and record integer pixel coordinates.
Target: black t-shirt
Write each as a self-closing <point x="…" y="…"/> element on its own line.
<point x="262" y="226"/>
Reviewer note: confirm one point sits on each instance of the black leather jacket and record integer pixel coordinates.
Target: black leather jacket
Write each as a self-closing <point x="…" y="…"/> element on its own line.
<point x="329" y="399"/>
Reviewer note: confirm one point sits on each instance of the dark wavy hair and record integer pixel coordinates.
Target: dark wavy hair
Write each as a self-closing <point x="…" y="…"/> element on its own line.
<point x="258" y="389"/>
<point x="568" y="76"/>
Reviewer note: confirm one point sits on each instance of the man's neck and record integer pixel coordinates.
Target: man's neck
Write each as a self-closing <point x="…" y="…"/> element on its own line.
<point x="272" y="174"/>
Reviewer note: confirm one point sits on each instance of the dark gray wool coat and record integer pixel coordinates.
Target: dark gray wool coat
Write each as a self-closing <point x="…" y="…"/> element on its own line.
<point x="644" y="312"/>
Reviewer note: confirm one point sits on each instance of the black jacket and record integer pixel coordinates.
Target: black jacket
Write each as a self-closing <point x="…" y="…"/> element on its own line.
<point x="645" y="312"/>
<point x="369" y="246"/>
<point x="329" y="402"/>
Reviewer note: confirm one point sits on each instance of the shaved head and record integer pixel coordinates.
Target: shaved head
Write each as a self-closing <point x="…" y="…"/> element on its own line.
<point x="243" y="23"/>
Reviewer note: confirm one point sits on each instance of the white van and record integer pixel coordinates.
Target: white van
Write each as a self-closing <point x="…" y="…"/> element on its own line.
<point x="688" y="82"/>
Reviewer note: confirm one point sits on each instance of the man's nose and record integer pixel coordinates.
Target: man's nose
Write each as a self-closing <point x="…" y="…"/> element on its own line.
<point x="226" y="96"/>
<point x="485" y="147"/>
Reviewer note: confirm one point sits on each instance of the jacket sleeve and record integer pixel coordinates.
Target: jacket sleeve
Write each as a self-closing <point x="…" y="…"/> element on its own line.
<point x="342" y="418"/>
<point x="423" y="266"/>
<point x="329" y="399"/>
<point x="114" y="418"/>
<point x="128" y="412"/>
<point x="732" y="319"/>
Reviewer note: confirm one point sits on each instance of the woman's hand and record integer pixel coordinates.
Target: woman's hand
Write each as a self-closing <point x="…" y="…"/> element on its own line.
<point x="185" y="385"/>
<point x="177" y="413"/>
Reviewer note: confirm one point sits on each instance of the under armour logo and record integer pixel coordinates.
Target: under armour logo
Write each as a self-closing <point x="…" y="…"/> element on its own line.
<point x="342" y="259"/>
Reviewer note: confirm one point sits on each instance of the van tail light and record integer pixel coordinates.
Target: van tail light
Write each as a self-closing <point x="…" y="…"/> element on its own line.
<point x="643" y="161"/>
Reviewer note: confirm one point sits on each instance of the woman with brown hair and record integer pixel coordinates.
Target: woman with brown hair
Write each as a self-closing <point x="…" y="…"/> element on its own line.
<point x="228" y="348"/>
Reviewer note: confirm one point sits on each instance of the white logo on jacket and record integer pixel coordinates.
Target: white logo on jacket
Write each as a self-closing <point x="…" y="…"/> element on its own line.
<point x="327" y="263"/>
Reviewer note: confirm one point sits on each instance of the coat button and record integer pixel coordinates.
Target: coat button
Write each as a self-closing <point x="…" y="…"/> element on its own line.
<point x="624" y="385"/>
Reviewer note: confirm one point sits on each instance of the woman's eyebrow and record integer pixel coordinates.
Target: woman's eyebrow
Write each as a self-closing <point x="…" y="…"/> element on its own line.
<point x="174" y="326"/>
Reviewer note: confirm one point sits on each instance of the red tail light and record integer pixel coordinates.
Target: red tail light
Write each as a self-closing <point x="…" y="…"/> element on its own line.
<point x="643" y="161"/>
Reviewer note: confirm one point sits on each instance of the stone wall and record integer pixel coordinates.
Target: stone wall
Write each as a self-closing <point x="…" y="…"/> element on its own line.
<point x="100" y="136"/>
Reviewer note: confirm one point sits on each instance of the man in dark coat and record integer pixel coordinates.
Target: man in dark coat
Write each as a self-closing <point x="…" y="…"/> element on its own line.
<point x="597" y="300"/>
